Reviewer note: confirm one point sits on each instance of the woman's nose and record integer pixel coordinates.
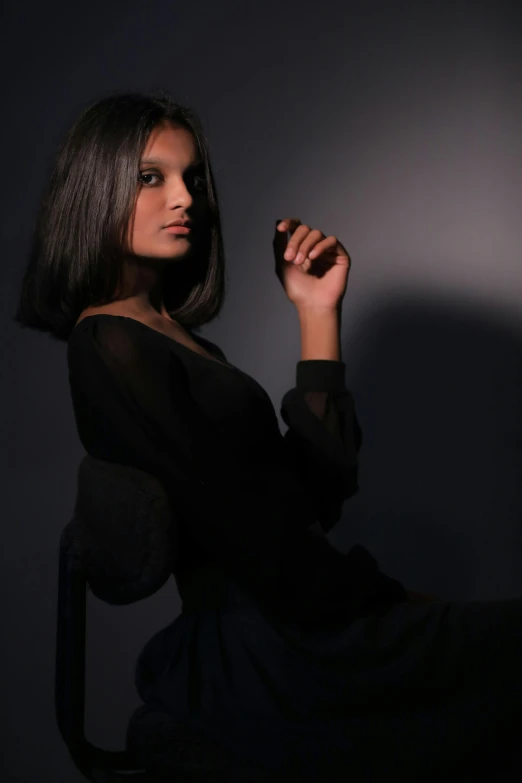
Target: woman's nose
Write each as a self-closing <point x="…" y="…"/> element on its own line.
<point x="179" y="194"/>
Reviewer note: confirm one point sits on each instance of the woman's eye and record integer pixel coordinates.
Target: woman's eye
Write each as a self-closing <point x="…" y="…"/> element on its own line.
<point x="144" y="174"/>
<point x="200" y="182"/>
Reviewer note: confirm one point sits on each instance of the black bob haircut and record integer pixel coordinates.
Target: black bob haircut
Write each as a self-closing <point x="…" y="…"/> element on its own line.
<point x="79" y="238"/>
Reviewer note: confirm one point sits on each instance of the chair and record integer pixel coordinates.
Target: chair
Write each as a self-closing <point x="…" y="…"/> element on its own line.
<point x="122" y="543"/>
<point x="96" y="764"/>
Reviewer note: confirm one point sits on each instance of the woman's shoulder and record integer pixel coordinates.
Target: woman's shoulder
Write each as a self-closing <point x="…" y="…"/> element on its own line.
<point x="110" y="325"/>
<point x="105" y="329"/>
<point x="107" y="309"/>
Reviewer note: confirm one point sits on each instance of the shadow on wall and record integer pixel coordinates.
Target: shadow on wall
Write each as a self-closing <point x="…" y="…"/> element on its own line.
<point x="438" y="392"/>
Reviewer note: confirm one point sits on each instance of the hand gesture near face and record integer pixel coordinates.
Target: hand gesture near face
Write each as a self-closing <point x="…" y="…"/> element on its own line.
<point x="313" y="269"/>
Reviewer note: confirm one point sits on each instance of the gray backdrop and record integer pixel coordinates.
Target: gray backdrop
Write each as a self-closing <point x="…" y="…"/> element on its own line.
<point x="395" y="126"/>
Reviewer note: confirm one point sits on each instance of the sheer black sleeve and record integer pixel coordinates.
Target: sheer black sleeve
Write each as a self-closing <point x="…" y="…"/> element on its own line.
<point x="324" y="435"/>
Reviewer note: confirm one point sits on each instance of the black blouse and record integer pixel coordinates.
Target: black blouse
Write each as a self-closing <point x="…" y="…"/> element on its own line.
<point x="246" y="497"/>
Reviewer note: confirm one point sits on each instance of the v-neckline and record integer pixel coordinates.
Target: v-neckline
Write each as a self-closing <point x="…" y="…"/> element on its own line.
<point x="152" y="329"/>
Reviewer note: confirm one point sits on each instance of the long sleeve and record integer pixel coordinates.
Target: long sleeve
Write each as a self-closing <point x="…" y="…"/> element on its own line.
<point x="324" y="435"/>
<point x="140" y="393"/>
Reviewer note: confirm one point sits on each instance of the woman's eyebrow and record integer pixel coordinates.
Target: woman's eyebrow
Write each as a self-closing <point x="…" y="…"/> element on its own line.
<point x="164" y="163"/>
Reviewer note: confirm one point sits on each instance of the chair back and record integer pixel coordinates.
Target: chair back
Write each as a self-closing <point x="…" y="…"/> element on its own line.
<point x="122" y="543"/>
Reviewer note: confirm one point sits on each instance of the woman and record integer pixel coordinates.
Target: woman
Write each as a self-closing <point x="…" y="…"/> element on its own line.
<point x="310" y="663"/>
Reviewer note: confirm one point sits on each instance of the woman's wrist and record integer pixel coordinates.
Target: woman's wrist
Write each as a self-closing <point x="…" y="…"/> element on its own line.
<point x="320" y="333"/>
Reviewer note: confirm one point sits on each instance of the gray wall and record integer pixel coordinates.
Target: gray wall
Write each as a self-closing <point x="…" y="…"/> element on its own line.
<point x="395" y="126"/>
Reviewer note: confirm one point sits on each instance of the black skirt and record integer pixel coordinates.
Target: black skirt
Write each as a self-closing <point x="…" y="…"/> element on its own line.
<point x="410" y="691"/>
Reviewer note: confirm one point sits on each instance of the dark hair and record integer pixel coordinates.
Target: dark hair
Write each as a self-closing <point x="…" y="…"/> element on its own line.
<point x="79" y="238"/>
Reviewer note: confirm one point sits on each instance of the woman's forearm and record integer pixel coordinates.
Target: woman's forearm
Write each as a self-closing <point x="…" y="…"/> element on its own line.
<point x="320" y="333"/>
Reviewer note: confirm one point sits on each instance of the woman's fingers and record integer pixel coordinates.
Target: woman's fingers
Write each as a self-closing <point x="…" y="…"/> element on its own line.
<point x="320" y="247"/>
<point x="288" y="224"/>
<point x="315" y="244"/>
<point x="297" y="238"/>
<point x="304" y="240"/>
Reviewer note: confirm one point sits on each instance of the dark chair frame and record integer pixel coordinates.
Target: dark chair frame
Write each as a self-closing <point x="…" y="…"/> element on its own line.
<point x="96" y="764"/>
<point x="122" y="545"/>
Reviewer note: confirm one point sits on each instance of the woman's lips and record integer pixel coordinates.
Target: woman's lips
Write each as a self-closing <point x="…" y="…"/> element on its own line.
<point x="178" y="229"/>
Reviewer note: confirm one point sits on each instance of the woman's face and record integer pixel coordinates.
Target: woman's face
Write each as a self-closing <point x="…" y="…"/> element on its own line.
<point x="172" y="186"/>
